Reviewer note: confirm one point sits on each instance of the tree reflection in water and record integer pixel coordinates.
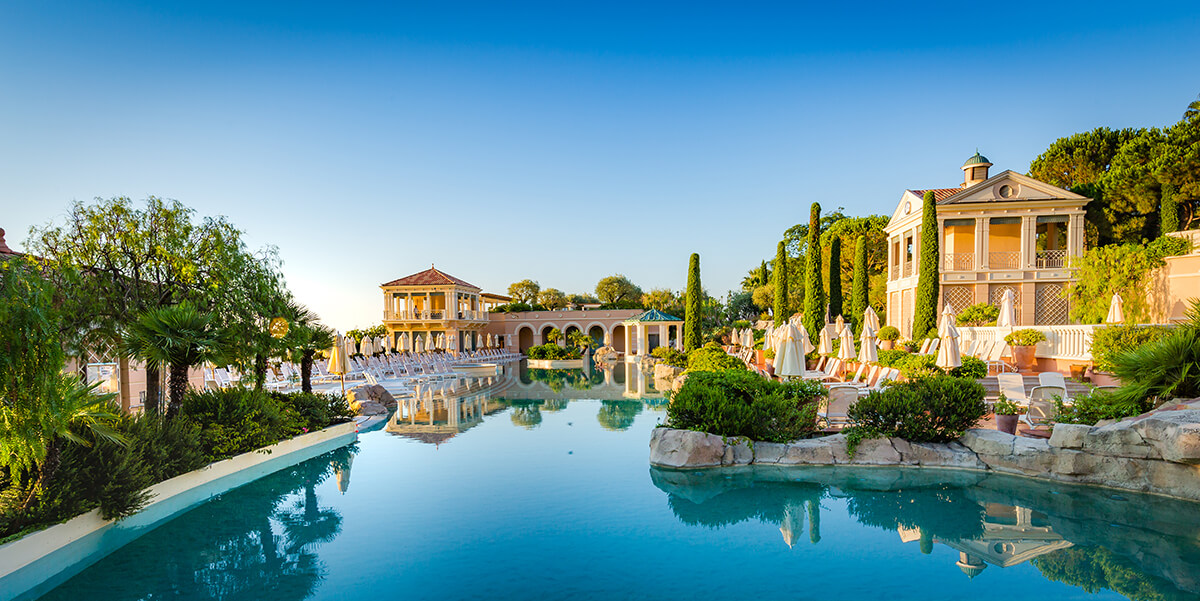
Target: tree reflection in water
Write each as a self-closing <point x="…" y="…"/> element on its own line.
<point x="526" y="413"/>
<point x="618" y="415"/>
<point x="261" y="536"/>
<point x="1140" y="546"/>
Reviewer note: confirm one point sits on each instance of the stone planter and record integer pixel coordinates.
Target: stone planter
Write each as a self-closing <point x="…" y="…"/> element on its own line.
<point x="1007" y="423"/>
<point x="1023" y="357"/>
<point x="887" y="345"/>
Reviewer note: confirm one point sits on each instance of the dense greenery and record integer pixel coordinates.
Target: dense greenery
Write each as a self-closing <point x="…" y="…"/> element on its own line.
<point x="552" y="351"/>
<point x="711" y="357"/>
<point x="928" y="287"/>
<point x="1095" y="406"/>
<point x="552" y="298"/>
<point x="1111" y="340"/>
<point x="937" y="409"/>
<point x="670" y="356"/>
<point x="860" y="288"/>
<point x="977" y="315"/>
<point x="835" y="278"/>
<point x="913" y="366"/>
<point x="617" y="288"/>
<point x="176" y="337"/>
<point x="1160" y="370"/>
<point x="1118" y="269"/>
<point x="1025" y="337"/>
<point x="782" y="308"/>
<point x="741" y="403"/>
<point x="524" y="291"/>
<point x="692" y="305"/>
<point x="516" y="307"/>
<point x="240" y="420"/>
<point x="814" y="289"/>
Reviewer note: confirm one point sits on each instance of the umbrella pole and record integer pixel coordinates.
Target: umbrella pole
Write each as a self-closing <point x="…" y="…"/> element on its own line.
<point x="343" y="385"/>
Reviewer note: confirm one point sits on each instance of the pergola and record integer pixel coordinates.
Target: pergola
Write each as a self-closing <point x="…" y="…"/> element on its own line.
<point x="642" y="324"/>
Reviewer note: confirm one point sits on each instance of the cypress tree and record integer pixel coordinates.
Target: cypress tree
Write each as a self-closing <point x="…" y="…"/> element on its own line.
<point x="926" y="309"/>
<point x="814" y="289"/>
<point x="835" y="277"/>
<point x="781" y="284"/>
<point x="1169" y="210"/>
<point x="692" y="306"/>
<point x="859" y="289"/>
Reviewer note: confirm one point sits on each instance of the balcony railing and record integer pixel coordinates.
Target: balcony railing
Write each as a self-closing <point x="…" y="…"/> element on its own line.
<point x="1072" y="342"/>
<point x="958" y="261"/>
<point x="435" y="315"/>
<point x="1004" y="260"/>
<point x="1051" y="259"/>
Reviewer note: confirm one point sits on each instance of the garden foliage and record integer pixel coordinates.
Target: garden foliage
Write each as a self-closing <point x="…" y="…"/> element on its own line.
<point x="925" y="312"/>
<point x="741" y="403"/>
<point x="693" y="305"/>
<point x="671" y="356"/>
<point x="1116" y="338"/>
<point x="711" y="357"/>
<point x="981" y="314"/>
<point x="814" y="288"/>
<point x="779" y="286"/>
<point x="552" y="351"/>
<point x="938" y="409"/>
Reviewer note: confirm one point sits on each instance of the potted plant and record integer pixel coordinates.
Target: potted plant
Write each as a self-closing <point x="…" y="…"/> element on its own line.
<point x="1023" y="343"/>
<point x="1006" y="414"/>
<point x="887" y="336"/>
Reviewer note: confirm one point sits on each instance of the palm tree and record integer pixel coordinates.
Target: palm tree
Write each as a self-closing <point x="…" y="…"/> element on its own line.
<point x="177" y="337"/>
<point x="1193" y="111"/>
<point x="31" y="441"/>
<point x="309" y="339"/>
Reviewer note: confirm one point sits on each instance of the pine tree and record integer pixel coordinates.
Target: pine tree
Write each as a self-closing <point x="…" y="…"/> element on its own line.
<point x="814" y="289"/>
<point x="926" y="309"/>
<point x="1169" y="210"/>
<point x="692" y="306"/>
<point x="859" y="290"/>
<point x="835" y="277"/>
<point x="781" y="284"/>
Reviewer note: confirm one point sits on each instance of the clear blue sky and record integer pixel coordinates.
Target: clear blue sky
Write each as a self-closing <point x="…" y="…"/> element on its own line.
<point x="553" y="141"/>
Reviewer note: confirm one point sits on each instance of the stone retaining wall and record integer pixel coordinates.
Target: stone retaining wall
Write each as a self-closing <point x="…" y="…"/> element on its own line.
<point x="1156" y="453"/>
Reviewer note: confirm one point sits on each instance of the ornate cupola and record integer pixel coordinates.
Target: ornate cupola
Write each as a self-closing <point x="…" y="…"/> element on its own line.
<point x="975" y="170"/>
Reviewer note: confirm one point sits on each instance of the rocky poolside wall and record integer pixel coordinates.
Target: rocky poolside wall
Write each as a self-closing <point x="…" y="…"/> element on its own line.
<point x="1156" y="453"/>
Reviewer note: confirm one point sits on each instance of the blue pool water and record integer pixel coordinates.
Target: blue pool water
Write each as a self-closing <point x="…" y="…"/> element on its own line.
<point x="553" y="499"/>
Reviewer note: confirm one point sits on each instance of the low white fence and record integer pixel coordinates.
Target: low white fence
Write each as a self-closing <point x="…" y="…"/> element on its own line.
<point x="1062" y="342"/>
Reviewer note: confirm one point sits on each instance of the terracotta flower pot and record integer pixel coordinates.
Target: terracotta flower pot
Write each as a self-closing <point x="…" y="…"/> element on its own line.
<point x="1007" y="423"/>
<point x="887" y="345"/>
<point x="1078" y="371"/>
<point x="1023" y="357"/>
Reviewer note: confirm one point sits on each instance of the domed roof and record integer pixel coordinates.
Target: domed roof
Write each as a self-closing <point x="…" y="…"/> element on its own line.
<point x="970" y="569"/>
<point x="977" y="159"/>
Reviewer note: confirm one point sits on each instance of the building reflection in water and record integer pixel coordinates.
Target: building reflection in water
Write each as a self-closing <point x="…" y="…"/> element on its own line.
<point x="1137" y="545"/>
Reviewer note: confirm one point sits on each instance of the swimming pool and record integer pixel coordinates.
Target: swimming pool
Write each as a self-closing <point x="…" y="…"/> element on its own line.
<point x="552" y="498"/>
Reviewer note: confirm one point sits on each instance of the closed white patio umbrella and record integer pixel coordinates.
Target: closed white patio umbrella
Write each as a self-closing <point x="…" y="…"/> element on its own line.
<point x="381" y="345"/>
<point x="748" y="338"/>
<point x="418" y="344"/>
<point x="804" y="341"/>
<point x="824" y="342"/>
<point x="872" y="318"/>
<point x="405" y="342"/>
<point x="338" y="360"/>
<point x="839" y="324"/>
<point x="1116" y="310"/>
<point x="349" y="347"/>
<point x="365" y="347"/>
<point x="867" y="352"/>
<point x="1008" y="312"/>
<point x="948" y="356"/>
<point x="846" y="344"/>
<point x="789" y="359"/>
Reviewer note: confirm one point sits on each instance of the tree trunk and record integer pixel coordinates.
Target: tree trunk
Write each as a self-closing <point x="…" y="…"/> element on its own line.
<point x="178" y="382"/>
<point x="306" y="364"/>
<point x="153" y="389"/>
<point x="123" y="371"/>
<point x="260" y="371"/>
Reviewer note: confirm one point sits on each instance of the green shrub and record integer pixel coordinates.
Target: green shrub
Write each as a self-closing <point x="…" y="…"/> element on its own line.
<point x="1003" y="406"/>
<point x="741" y="403"/>
<point x="891" y="358"/>
<point x="1117" y="338"/>
<point x="888" y="333"/>
<point x="914" y="367"/>
<point x="971" y="368"/>
<point x="1158" y="371"/>
<point x="1025" y="337"/>
<point x="316" y="411"/>
<point x="553" y="352"/>
<point x="1091" y="408"/>
<point x="982" y="314"/>
<point x="711" y="357"/>
<point x="741" y="324"/>
<point x="239" y="420"/>
<point x="670" y="356"/>
<point x="936" y="409"/>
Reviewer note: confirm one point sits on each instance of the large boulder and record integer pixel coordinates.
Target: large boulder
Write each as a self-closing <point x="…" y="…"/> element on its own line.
<point x="368" y="408"/>
<point x="662" y="371"/>
<point x="371" y="392"/>
<point x="685" y="449"/>
<point x="1069" y="436"/>
<point x="1175" y="435"/>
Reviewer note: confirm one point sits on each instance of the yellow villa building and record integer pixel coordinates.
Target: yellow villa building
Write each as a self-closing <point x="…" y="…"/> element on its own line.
<point x="430" y="303"/>
<point x="997" y="233"/>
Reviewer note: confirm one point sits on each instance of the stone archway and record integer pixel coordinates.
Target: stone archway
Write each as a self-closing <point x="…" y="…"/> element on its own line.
<point x="596" y="332"/>
<point x="618" y="338"/>
<point x="524" y="338"/>
<point x="546" y="332"/>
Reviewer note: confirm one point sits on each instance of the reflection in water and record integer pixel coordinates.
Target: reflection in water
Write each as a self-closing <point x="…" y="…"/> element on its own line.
<point x="260" y="537"/>
<point x="1140" y="546"/>
<point x="618" y="415"/>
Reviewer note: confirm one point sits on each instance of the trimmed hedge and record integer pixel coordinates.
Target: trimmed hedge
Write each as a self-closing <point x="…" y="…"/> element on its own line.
<point x="711" y="357"/>
<point x="938" y="409"/>
<point x="741" y="403"/>
<point x="553" y="352"/>
<point x="670" y="356"/>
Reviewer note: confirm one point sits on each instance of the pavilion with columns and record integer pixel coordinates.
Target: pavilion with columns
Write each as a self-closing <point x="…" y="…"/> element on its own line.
<point x="646" y="331"/>
<point x="426" y="304"/>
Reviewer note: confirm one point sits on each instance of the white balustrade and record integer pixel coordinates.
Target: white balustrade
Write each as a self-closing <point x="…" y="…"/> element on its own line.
<point x="1062" y="342"/>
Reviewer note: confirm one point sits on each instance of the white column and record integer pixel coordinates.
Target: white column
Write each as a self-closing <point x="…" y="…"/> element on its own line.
<point x="663" y="339"/>
<point x="628" y="340"/>
<point x="979" y="236"/>
<point x="641" y="330"/>
<point x="984" y="243"/>
<point x="1028" y="230"/>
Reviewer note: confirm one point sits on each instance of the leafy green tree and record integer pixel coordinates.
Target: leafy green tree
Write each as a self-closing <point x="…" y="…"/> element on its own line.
<point x="1082" y="158"/>
<point x="554" y="335"/>
<point x="928" y="286"/>
<point x="177" y="337"/>
<point x="1121" y="269"/>
<point x="662" y="299"/>
<point x="780" y="286"/>
<point x="1169" y="211"/>
<point x="1192" y="114"/>
<point x="524" y="291"/>
<point x="859" y="288"/>
<point x="849" y="229"/>
<point x="41" y="408"/>
<point x="552" y="298"/>
<point x="693" y="307"/>
<point x="835" y="277"/>
<point x="814" y="289"/>
<point x="759" y="276"/>
<point x="617" y="288"/>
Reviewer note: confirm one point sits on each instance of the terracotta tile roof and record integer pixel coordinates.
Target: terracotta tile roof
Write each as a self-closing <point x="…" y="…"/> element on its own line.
<point x="5" y="251"/>
<point x="430" y="277"/>
<point x="939" y="194"/>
